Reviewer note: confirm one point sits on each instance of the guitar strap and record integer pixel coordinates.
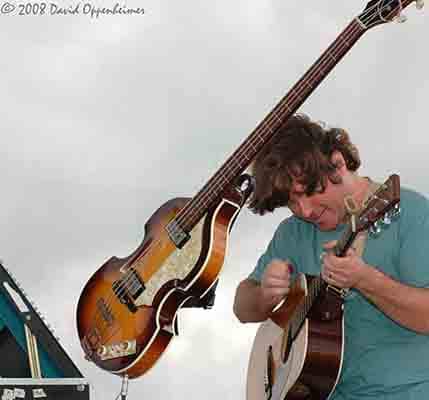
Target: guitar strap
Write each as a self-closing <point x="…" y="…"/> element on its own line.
<point x="354" y="209"/>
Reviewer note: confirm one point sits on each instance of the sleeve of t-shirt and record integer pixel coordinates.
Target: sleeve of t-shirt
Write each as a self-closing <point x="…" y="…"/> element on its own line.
<point x="414" y="245"/>
<point x="280" y="247"/>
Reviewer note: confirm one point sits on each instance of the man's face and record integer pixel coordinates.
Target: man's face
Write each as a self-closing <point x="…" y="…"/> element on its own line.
<point x="324" y="209"/>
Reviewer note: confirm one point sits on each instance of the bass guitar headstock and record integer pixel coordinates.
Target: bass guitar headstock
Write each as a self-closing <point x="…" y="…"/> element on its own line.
<point x="381" y="208"/>
<point x="382" y="11"/>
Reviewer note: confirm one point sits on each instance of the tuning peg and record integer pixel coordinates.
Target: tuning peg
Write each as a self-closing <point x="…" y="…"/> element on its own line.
<point x="420" y="4"/>
<point x="387" y="220"/>
<point x="396" y="212"/>
<point x="375" y="229"/>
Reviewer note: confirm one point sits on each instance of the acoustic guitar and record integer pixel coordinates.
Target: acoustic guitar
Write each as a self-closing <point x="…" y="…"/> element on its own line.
<point x="127" y="311"/>
<point x="297" y="353"/>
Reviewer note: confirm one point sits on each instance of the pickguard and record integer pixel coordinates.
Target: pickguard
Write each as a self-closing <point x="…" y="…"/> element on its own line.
<point x="177" y="266"/>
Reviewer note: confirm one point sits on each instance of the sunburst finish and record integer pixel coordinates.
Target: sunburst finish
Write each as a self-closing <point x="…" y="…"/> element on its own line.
<point x="171" y="276"/>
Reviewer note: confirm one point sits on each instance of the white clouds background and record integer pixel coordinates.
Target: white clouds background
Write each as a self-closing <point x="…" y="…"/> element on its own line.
<point x="103" y="120"/>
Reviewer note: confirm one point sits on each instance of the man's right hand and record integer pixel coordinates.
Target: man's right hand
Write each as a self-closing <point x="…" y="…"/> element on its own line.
<point x="275" y="282"/>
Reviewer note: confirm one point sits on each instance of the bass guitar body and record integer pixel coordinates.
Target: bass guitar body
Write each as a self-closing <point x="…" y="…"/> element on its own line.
<point x="127" y="312"/>
<point x="306" y="366"/>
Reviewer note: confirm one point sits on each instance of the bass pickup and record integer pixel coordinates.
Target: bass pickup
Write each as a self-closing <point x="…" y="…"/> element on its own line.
<point x="129" y="288"/>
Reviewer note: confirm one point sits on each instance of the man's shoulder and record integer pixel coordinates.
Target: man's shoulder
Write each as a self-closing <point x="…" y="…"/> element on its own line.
<point x="412" y="196"/>
<point x="414" y="207"/>
<point x="413" y="201"/>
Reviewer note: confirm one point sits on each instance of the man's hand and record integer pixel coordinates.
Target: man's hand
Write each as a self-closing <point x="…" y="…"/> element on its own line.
<point x="275" y="282"/>
<point x="344" y="272"/>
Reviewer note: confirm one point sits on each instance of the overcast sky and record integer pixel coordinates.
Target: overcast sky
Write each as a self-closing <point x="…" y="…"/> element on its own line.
<point x="103" y="120"/>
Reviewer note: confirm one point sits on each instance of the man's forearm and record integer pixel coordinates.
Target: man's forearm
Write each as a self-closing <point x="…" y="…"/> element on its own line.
<point x="248" y="304"/>
<point x="407" y="305"/>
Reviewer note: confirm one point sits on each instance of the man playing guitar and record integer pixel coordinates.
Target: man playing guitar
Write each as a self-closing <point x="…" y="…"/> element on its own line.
<point x="312" y="171"/>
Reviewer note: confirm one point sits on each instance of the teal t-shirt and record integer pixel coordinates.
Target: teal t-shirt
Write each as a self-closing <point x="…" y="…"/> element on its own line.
<point x="382" y="359"/>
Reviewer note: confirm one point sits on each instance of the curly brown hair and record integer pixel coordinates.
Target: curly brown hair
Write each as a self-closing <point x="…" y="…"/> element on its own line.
<point x="300" y="150"/>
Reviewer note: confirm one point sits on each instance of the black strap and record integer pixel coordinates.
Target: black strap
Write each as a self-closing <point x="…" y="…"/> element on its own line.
<point x="206" y="302"/>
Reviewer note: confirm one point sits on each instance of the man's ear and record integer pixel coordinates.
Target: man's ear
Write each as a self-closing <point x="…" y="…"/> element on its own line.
<point x="337" y="159"/>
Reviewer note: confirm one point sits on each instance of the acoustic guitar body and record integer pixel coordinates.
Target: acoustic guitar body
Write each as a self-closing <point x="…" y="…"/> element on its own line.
<point x="305" y="367"/>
